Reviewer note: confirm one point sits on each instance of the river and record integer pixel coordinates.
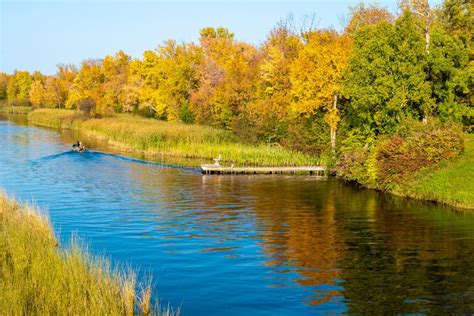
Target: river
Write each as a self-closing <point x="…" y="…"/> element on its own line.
<point x="240" y="245"/>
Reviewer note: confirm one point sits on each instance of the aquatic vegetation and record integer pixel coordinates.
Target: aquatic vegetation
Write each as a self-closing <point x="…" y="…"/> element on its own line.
<point x="15" y="109"/>
<point x="153" y="137"/>
<point x="37" y="277"/>
<point x="54" y="118"/>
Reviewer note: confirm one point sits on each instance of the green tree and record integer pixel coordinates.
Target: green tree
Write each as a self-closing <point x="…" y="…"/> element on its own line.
<point x="449" y="76"/>
<point x="456" y="18"/>
<point x="386" y="77"/>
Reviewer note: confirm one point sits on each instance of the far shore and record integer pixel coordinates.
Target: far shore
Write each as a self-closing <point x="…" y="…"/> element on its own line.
<point x="449" y="183"/>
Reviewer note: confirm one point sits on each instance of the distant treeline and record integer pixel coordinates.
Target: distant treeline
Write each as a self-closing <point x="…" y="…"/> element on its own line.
<point x="296" y="89"/>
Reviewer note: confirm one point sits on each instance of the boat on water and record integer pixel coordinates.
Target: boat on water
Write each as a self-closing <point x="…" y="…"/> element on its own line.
<point x="78" y="147"/>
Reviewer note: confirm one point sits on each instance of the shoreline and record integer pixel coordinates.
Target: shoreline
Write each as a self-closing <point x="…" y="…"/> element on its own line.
<point x="152" y="138"/>
<point x="99" y="129"/>
<point x="64" y="280"/>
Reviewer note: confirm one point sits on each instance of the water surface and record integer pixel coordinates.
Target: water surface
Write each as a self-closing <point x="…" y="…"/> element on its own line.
<point x="239" y="245"/>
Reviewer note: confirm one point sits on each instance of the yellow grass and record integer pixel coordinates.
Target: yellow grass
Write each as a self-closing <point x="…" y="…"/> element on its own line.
<point x="154" y="137"/>
<point x="37" y="277"/>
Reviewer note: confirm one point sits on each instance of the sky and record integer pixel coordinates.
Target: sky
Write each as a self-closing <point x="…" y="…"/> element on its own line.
<point x="39" y="35"/>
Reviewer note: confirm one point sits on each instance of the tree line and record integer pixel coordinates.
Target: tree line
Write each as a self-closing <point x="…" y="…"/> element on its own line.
<point x="298" y="89"/>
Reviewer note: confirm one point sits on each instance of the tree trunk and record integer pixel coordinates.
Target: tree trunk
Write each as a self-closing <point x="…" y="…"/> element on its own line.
<point x="427" y="40"/>
<point x="333" y="129"/>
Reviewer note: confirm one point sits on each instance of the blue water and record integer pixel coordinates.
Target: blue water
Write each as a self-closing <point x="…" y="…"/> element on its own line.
<point x="239" y="245"/>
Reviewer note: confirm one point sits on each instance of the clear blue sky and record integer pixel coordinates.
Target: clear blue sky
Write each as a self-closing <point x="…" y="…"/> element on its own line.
<point x="38" y="35"/>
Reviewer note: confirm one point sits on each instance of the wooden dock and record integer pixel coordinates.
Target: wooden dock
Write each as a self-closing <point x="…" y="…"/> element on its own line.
<point x="217" y="169"/>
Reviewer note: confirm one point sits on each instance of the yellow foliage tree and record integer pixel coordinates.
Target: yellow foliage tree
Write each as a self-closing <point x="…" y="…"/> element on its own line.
<point x="316" y="76"/>
<point x="37" y="93"/>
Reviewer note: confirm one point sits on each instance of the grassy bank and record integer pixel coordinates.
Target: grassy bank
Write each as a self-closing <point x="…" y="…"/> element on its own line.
<point x="36" y="277"/>
<point x="451" y="182"/>
<point x="153" y="137"/>
<point x="15" y="109"/>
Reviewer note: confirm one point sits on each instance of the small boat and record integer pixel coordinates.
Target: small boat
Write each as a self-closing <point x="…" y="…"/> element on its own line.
<point x="78" y="147"/>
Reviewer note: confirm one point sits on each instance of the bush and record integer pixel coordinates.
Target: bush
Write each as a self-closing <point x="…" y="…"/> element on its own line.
<point x="393" y="159"/>
<point x="310" y="135"/>
<point x="357" y="162"/>
<point x="87" y="106"/>
<point x="20" y="103"/>
<point x="416" y="146"/>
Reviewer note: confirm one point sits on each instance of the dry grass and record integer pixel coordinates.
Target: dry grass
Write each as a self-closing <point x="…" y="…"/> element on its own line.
<point x="36" y="277"/>
<point x="15" y="109"/>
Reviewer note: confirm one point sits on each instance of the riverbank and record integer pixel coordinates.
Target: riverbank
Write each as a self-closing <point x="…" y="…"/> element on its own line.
<point x="450" y="182"/>
<point x="37" y="277"/>
<point x="15" y="109"/>
<point x="447" y="183"/>
<point x="153" y="138"/>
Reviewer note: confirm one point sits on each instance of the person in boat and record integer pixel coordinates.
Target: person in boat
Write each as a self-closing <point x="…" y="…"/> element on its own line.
<point x="78" y="146"/>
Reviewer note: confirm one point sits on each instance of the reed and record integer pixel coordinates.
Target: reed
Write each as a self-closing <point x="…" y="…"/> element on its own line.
<point x="37" y="277"/>
<point x="152" y="137"/>
<point x="15" y="109"/>
<point x="55" y="118"/>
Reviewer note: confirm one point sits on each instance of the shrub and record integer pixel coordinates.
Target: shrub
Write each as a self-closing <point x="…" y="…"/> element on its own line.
<point x="357" y="162"/>
<point x="20" y="103"/>
<point x="414" y="147"/>
<point x="393" y="159"/>
<point x="87" y="106"/>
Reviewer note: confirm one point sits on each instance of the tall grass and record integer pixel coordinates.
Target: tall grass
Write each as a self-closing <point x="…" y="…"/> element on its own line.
<point x="36" y="277"/>
<point x="55" y="118"/>
<point x="153" y="137"/>
<point x="15" y="109"/>
<point x="451" y="182"/>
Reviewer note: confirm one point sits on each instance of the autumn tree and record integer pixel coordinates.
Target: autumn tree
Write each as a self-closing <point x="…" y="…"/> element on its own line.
<point x="64" y="79"/>
<point x="167" y="78"/>
<point x="37" y="93"/>
<point x="215" y="44"/>
<point x="363" y="15"/>
<point x="268" y="113"/>
<point x="115" y="70"/>
<point x="3" y="85"/>
<point x="86" y="90"/>
<point x="225" y="74"/>
<point x="18" y="88"/>
<point x="316" y="76"/>
<point x="129" y="98"/>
